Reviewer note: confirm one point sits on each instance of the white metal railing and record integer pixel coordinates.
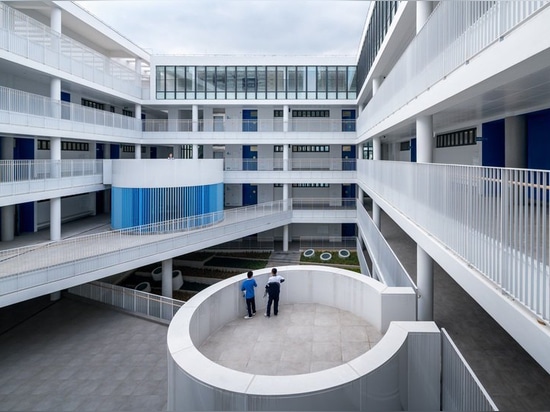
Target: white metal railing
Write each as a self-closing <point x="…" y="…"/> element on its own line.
<point x="386" y="267"/>
<point x="496" y="219"/>
<point x="131" y="300"/>
<point x="72" y="257"/>
<point x="461" y="390"/>
<point x="319" y="125"/>
<point x="296" y="164"/>
<point x="324" y="242"/>
<point x="320" y="203"/>
<point x="27" y="170"/>
<point x="26" y="37"/>
<point x="455" y="32"/>
<point x="45" y="112"/>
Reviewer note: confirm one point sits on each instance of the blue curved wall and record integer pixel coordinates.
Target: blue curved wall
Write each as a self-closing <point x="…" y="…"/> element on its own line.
<point x="143" y="206"/>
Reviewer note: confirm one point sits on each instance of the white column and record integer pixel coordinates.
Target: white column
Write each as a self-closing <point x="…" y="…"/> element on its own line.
<point x="376" y="214"/>
<point x="376" y="148"/>
<point x="167" y="278"/>
<point x="54" y="296"/>
<point x="423" y="11"/>
<point x="285" y="238"/>
<point x="285" y="117"/>
<point x="515" y="142"/>
<point x="286" y="165"/>
<point x="172" y="119"/>
<point x="8" y="223"/>
<point x="286" y="193"/>
<point x="424" y="141"/>
<point x="137" y="154"/>
<point x="55" y="218"/>
<point x="376" y="82"/>
<point x="55" y="19"/>
<point x="195" y="118"/>
<point x="425" y="283"/>
<point x="195" y="151"/>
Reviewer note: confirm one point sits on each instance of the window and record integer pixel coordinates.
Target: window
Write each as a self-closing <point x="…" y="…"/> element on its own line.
<point x="92" y="104"/>
<point x="404" y="146"/>
<point x="459" y="138"/>
<point x="311" y="148"/>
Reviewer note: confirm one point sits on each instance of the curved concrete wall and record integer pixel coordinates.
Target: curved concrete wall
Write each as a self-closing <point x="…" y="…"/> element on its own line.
<point x="399" y="373"/>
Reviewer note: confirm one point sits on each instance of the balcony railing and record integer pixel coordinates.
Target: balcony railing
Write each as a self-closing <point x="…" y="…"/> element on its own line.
<point x="318" y="125"/>
<point x="28" y="170"/>
<point x="26" y="37"/>
<point x="318" y="164"/>
<point x="455" y="32"/>
<point x="27" y="109"/>
<point x="496" y="219"/>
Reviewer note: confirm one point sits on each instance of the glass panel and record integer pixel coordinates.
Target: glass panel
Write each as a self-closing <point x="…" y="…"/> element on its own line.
<point x="241" y="82"/>
<point x="331" y="82"/>
<point x="321" y="82"/>
<point x="261" y="82"/>
<point x="352" y="82"/>
<point x="341" y="83"/>
<point x="250" y="83"/>
<point x="219" y="81"/>
<point x="170" y="82"/>
<point x="160" y="82"/>
<point x="271" y="82"/>
<point x="180" y="82"/>
<point x="301" y="82"/>
<point x="312" y="82"/>
<point x="190" y="82"/>
<point x="281" y="83"/>
<point x="231" y="82"/>
<point x="201" y="82"/>
<point x="291" y="82"/>
<point x="210" y="82"/>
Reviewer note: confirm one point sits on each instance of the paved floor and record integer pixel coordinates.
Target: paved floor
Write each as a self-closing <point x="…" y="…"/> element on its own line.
<point x="72" y="355"/>
<point x="302" y="338"/>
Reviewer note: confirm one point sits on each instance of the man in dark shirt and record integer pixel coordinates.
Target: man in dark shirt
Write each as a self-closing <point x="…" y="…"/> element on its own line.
<point x="273" y="289"/>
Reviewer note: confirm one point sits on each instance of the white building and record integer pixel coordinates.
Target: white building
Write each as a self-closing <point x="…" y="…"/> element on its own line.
<point x="442" y="120"/>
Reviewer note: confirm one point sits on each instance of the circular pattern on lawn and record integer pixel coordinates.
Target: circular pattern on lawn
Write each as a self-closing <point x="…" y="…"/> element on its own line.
<point x="325" y="256"/>
<point x="344" y="253"/>
<point x="309" y="253"/>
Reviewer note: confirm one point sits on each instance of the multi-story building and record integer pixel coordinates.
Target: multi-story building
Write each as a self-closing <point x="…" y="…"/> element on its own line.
<point x="442" y="121"/>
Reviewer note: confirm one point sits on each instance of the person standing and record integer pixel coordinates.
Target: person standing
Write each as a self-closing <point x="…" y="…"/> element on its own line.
<point x="273" y="289"/>
<point x="248" y="291"/>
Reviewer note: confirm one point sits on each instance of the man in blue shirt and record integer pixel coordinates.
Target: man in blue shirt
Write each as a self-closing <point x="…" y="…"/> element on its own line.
<point x="248" y="291"/>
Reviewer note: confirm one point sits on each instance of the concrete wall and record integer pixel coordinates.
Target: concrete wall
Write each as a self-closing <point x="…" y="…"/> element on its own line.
<point x="400" y="373"/>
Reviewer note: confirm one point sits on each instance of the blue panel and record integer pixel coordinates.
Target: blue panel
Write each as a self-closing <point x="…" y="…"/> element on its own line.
<point x="26" y="217"/>
<point x="143" y="206"/>
<point x="492" y="153"/>
<point x="538" y="140"/>
<point x="250" y="195"/>
<point x="99" y="147"/>
<point x="413" y="150"/>
<point x="348" y="120"/>
<point x="349" y="157"/>
<point x="250" y="158"/>
<point x="24" y="149"/>
<point x="250" y="120"/>
<point x="115" y="151"/>
<point x="65" y="97"/>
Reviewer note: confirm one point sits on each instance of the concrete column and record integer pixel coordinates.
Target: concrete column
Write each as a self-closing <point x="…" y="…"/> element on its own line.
<point x="195" y="118"/>
<point x="195" y="151"/>
<point x="8" y="223"/>
<point x="137" y="154"/>
<point x="424" y="141"/>
<point x="55" y="218"/>
<point x="425" y="283"/>
<point x="286" y="165"/>
<point x="55" y="19"/>
<point x="285" y="238"/>
<point x="137" y="111"/>
<point x="286" y="192"/>
<point x="376" y="82"/>
<point x="167" y="278"/>
<point x="376" y="148"/>
<point x="376" y="214"/>
<point x="285" y="117"/>
<point x="172" y="119"/>
<point x="55" y="296"/>
<point x="423" y="11"/>
<point x="515" y="142"/>
<point x="55" y="156"/>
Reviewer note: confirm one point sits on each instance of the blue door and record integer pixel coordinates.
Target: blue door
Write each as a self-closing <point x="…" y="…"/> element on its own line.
<point x="250" y="120"/>
<point x="348" y="157"/>
<point x="348" y="120"/>
<point x="250" y="194"/>
<point x="24" y="150"/>
<point x="65" y="108"/>
<point x="115" y="151"/>
<point x="250" y="157"/>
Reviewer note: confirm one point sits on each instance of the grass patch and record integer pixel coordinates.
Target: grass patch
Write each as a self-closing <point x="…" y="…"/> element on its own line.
<point x="352" y="260"/>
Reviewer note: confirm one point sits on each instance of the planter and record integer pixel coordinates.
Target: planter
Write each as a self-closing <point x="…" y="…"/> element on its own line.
<point x="344" y="253"/>
<point x="325" y="256"/>
<point x="157" y="273"/>
<point x="143" y="287"/>
<point x="177" y="279"/>
<point x="309" y="253"/>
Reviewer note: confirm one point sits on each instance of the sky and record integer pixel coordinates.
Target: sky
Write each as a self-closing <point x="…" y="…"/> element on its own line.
<point x="272" y="27"/>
